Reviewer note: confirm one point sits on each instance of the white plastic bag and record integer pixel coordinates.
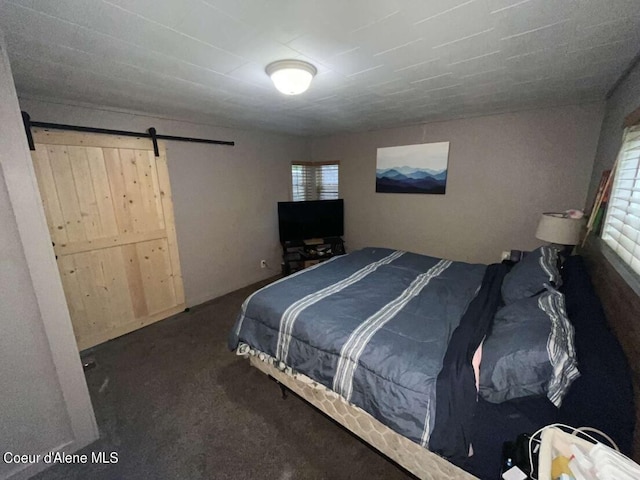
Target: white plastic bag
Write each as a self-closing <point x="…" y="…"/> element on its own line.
<point x="590" y="459"/>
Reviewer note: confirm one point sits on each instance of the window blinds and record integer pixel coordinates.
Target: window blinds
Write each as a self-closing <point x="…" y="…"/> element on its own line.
<point x="327" y="181"/>
<point x="314" y="181"/>
<point x="622" y="224"/>
<point x="302" y="181"/>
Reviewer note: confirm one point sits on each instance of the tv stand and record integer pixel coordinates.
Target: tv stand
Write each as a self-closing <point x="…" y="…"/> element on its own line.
<point x="300" y="254"/>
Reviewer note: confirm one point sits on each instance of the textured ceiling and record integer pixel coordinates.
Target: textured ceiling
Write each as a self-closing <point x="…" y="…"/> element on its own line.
<point x="380" y="62"/>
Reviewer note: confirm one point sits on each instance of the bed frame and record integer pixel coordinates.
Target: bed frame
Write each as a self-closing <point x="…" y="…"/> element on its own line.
<point x="417" y="460"/>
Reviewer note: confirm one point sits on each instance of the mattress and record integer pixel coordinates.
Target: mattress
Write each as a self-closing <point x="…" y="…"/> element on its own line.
<point x="342" y="322"/>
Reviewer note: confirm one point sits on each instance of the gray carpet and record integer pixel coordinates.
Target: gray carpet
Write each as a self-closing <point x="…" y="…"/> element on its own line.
<point x="174" y="403"/>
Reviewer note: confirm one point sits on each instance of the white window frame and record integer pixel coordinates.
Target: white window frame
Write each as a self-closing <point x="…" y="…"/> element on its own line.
<point x="306" y="181"/>
<point x="621" y="228"/>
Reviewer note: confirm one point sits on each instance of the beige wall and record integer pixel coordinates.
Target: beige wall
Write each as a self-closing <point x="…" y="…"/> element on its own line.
<point x="44" y="402"/>
<point x="34" y="417"/>
<point x="624" y="100"/>
<point x="224" y="197"/>
<point x="504" y="170"/>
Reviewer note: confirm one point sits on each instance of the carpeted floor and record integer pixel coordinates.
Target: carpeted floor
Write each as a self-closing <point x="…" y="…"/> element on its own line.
<point x="174" y="403"/>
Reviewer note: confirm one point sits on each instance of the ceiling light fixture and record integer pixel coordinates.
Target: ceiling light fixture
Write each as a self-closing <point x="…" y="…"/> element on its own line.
<point x="291" y="77"/>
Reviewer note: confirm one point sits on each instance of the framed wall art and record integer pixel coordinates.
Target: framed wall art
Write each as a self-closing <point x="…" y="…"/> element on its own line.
<point x="418" y="168"/>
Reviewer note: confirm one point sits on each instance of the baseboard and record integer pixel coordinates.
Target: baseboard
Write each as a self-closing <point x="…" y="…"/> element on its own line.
<point x="23" y="472"/>
<point x="202" y="299"/>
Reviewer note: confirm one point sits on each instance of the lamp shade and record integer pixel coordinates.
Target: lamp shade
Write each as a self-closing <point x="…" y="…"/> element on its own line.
<point x="291" y="77"/>
<point x="558" y="229"/>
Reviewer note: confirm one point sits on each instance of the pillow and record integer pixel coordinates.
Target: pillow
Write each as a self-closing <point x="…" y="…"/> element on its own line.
<point x="530" y="275"/>
<point x="530" y="351"/>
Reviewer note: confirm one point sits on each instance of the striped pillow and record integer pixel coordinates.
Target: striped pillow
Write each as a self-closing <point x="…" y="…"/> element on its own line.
<point x="531" y="275"/>
<point x="530" y="351"/>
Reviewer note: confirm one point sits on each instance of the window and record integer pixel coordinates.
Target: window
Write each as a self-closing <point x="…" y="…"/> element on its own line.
<point x="302" y="181"/>
<point x="314" y="181"/>
<point x="622" y="224"/>
<point x="327" y="181"/>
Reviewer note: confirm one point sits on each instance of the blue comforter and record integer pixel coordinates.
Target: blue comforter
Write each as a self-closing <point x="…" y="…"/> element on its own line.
<point x="374" y="326"/>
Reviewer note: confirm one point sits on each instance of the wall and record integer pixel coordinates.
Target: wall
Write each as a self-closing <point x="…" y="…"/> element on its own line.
<point x="624" y="100"/>
<point x="504" y="171"/>
<point x="224" y="197"/>
<point x="44" y="402"/>
<point x="27" y="368"/>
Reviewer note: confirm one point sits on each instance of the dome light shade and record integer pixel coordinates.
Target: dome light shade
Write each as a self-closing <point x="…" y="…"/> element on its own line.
<point x="291" y="77"/>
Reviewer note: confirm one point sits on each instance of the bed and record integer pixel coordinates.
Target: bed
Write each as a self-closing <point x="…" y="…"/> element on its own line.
<point x="384" y="342"/>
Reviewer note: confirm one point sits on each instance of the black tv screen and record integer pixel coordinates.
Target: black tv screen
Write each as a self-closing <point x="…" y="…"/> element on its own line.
<point x="310" y="219"/>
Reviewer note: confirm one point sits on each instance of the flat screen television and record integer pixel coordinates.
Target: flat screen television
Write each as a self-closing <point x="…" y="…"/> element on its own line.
<point x="310" y="219"/>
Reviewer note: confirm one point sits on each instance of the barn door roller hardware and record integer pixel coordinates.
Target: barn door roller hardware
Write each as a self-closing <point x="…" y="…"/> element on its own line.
<point x="151" y="133"/>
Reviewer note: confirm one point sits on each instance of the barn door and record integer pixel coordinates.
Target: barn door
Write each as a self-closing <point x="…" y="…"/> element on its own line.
<point x="108" y="205"/>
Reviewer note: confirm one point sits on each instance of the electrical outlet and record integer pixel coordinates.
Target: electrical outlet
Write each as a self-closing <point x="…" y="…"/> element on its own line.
<point x="263" y="264"/>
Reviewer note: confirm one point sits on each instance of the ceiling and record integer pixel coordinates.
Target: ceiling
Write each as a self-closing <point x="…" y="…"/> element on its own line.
<point x="380" y="62"/>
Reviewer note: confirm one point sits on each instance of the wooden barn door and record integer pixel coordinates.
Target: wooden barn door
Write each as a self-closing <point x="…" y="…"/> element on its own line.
<point x="108" y="205"/>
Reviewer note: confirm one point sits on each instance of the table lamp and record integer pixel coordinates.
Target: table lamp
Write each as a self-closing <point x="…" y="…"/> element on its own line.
<point x="559" y="229"/>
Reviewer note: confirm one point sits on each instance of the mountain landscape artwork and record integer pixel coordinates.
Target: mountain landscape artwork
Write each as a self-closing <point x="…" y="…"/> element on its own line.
<point x="413" y="168"/>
